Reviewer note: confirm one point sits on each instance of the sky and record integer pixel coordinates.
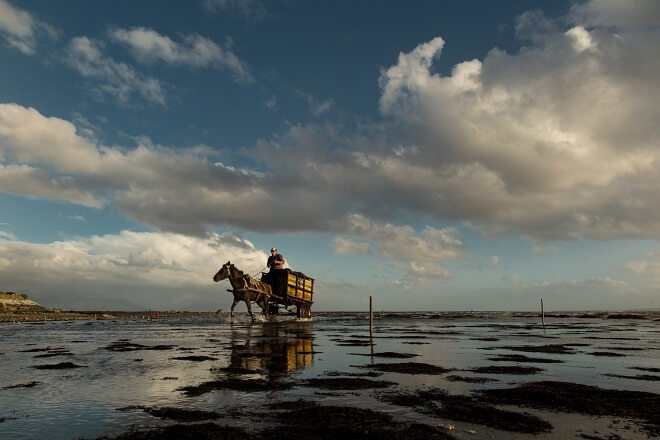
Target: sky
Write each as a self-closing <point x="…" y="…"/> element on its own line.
<point x="454" y="155"/>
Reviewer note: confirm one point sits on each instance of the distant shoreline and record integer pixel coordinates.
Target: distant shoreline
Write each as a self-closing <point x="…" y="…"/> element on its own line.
<point x="72" y="315"/>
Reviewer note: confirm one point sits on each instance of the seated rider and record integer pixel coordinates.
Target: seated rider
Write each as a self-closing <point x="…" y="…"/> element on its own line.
<point x="275" y="261"/>
<point x="275" y="264"/>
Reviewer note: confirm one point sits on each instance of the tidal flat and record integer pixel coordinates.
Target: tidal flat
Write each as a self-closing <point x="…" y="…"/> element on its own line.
<point x="476" y="376"/>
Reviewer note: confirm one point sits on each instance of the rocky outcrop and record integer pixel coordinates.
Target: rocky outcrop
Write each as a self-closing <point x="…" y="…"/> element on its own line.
<point x="15" y="303"/>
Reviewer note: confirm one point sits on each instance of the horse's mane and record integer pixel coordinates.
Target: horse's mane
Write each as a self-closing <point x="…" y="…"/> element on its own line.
<point x="235" y="271"/>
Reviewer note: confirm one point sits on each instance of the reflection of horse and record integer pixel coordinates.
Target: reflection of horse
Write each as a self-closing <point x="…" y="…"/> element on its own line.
<point x="245" y="288"/>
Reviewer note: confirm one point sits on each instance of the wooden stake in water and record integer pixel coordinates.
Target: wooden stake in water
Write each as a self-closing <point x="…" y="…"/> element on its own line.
<point x="542" y="315"/>
<point x="371" y="326"/>
<point x="371" y="317"/>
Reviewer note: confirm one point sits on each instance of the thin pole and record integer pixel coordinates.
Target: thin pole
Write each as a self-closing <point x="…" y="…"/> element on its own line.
<point x="371" y="326"/>
<point x="371" y="316"/>
<point x="542" y="315"/>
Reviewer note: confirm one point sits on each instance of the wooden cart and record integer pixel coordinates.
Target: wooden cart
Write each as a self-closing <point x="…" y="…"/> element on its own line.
<point x="290" y="289"/>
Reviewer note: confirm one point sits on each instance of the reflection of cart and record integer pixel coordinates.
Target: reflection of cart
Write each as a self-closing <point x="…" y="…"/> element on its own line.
<point x="290" y="289"/>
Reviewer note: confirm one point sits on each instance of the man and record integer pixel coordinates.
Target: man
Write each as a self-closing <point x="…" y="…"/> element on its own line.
<point x="275" y="261"/>
<point x="274" y="277"/>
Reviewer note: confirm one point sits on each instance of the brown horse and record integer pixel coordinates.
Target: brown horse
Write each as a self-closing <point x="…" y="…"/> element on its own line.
<point x="245" y="288"/>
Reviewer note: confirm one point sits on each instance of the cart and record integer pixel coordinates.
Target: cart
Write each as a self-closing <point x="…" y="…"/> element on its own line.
<point x="290" y="288"/>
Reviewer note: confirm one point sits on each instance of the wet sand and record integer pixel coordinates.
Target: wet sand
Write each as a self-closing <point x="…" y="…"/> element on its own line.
<point x="473" y="376"/>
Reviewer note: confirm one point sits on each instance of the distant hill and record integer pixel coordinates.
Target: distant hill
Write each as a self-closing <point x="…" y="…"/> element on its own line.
<point x="18" y="302"/>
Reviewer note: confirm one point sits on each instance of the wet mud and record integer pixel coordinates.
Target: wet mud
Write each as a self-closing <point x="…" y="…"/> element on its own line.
<point x="346" y="383"/>
<point x="123" y="345"/>
<point x="523" y="358"/>
<point x="582" y="399"/>
<point x="201" y="431"/>
<point x="648" y="377"/>
<point x="468" y="409"/>
<point x="408" y="368"/>
<point x="333" y="422"/>
<point x="60" y="366"/>
<point x="468" y="379"/>
<point x="353" y="374"/>
<point x="650" y="369"/>
<point x="507" y="369"/>
<point x="236" y="385"/>
<point x="194" y="358"/>
<point x="550" y="348"/>
<point x="34" y="383"/>
<point x="606" y="354"/>
<point x="178" y="414"/>
<point x="387" y="354"/>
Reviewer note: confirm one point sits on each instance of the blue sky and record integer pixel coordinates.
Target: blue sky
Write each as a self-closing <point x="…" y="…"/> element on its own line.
<point x="438" y="156"/>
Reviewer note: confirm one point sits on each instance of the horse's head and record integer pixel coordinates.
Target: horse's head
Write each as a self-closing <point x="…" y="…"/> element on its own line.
<point x="223" y="273"/>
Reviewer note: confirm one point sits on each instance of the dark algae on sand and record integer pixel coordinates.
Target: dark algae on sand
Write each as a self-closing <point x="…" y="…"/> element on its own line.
<point x="478" y="376"/>
<point x="583" y="399"/>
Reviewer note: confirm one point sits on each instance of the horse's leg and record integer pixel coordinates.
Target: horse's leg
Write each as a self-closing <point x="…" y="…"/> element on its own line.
<point x="247" y="302"/>
<point x="231" y="315"/>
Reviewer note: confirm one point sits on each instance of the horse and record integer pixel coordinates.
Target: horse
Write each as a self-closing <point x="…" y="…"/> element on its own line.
<point x="245" y="288"/>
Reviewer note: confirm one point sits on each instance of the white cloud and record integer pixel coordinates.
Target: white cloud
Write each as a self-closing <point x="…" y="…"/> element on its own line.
<point x="4" y="235"/>
<point x="495" y="260"/>
<point x="118" y="80"/>
<point x="271" y="103"/>
<point x="140" y="268"/>
<point x="249" y="9"/>
<point x="625" y="14"/>
<point x="420" y="255"/>
<point x="316" y="107"/>
<point x="647" y="268"/>
<point x="348" y="246"/>
<point x="148" y="45"/>
<point x="558" y="141"/>
<point x="20" y="29"/>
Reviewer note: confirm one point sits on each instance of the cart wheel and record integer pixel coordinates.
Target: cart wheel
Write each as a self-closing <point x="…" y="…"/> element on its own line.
<point x="304" y="311"/>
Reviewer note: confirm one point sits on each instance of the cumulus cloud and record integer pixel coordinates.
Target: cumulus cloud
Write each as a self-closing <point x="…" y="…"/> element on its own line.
<point x="148" y="45"/>
<point x="21" y="30"/>
<point x="650" y="268"/>
<point x="348" y="246"/>
<point x="118" y="80"/>
<point x="420" y="255"/>
<point x="249" y="9"/>
<point x="316" y="107"/>
<point x="557" y="141"/>
<point x="174" y="269"/>
<point x="616" y="13"/>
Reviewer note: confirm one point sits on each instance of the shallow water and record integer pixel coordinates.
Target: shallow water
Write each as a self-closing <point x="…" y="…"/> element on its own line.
<point x="84" y="402"/>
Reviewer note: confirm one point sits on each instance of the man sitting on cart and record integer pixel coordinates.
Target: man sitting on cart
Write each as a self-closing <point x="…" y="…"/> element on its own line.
<point x="275" y="261"/>
<point x="275" y="276"/>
